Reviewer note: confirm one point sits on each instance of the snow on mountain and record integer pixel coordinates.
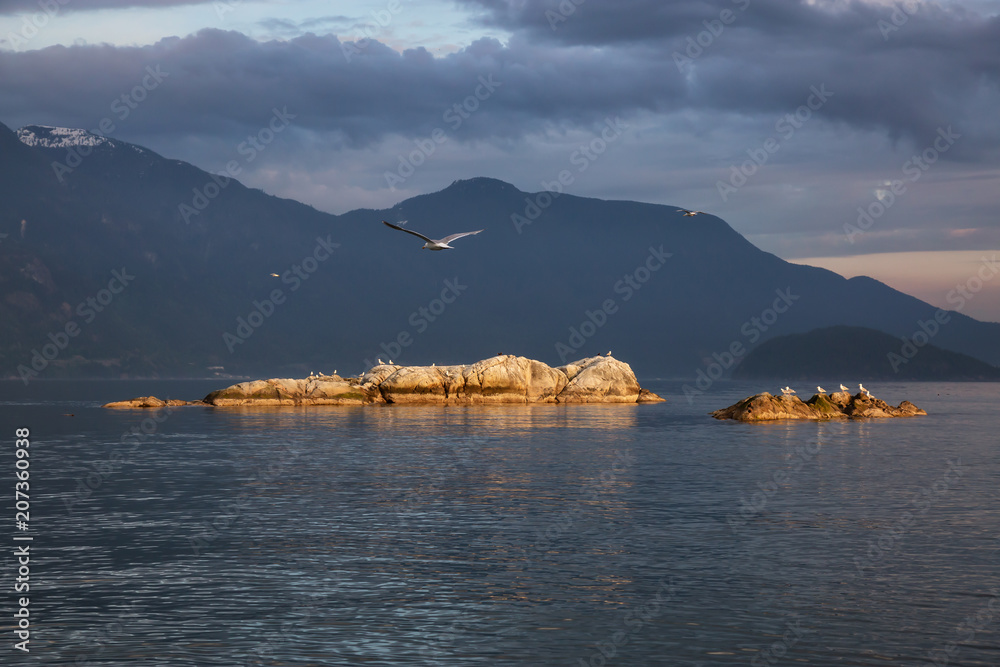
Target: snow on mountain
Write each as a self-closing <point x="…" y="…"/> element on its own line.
<point x="58" y="137"/>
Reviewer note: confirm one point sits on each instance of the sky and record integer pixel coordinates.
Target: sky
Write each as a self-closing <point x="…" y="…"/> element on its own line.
<point x="858" y="135"/>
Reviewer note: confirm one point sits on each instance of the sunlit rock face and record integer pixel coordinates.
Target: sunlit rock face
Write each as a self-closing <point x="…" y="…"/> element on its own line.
<point x="839" y="405"/>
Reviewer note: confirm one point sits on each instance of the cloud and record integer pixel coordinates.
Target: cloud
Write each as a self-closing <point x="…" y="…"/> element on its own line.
<point x="33" y="6"/>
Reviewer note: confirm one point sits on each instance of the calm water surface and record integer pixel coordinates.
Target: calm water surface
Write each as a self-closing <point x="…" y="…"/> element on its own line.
<point x="543" y="535"/>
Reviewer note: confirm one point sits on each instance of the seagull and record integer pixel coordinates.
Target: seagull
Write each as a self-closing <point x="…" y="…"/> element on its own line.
<point x="687" y="213"/>
<point x="380" y="362"/>
<point x="390" y="363"/>
<point x="863" y="390"/>
<point x="821" y="390"/>
<point x="843" y="388"/>
<point x="432" y="244"/>
<point x="274" y="275"/>
<point x="787" y="390"/>
<point x="608" y="354"/>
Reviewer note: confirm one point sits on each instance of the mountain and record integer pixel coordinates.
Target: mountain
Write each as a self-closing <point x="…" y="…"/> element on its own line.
<point x="553" y="277"/>
<point x="842" y="353"/>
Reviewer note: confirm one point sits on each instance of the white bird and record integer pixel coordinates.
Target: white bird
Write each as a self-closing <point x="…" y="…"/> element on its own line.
<point x="863" y="390"/>
<point x="334" y="371"/>
<point x="608" y="354"/>
<point x="821" y="390"/>
<point x="433" y="244"/>
<point x="843" y="388"/>
<point x="687" y="213"/>
<point x="274" y="275"/>
<point x="380" y="362"/>
<point x="390" y="362"/>
<point x="787" y="390"/>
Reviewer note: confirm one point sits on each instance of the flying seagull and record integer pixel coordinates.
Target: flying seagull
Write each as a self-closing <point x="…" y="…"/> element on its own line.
<point x="432" y="244"/>
<point x="787" y="390"/>
<point x="687" y="213"/>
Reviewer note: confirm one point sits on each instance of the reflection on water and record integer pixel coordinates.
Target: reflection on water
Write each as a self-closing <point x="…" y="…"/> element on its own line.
<point x="569" y="535"/>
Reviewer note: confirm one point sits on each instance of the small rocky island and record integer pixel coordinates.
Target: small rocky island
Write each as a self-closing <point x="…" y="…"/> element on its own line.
<point x="500" y="379"/>
<point x="838" y="405"/>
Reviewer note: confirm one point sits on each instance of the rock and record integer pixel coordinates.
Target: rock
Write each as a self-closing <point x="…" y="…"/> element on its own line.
<point x="149" y="402"/>
<point x="602" y="380"/>
<point x="839" y="405"/>
<point x="501" y="379"/>
<point x="322" y="390"/>
<point x="141" y="402"/>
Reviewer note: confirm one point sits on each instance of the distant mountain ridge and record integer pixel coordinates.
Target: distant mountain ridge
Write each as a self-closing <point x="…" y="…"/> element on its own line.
<point x="668" y="294"/>
<point x="859" y="353"/>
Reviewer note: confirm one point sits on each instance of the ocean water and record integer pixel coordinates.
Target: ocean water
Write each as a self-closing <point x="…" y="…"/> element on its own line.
<point x="507" y="535"/>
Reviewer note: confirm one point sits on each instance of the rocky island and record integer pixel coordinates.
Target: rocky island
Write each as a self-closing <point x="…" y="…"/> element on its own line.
<point x="838" y="405"/>
<point x="501" y="379"/>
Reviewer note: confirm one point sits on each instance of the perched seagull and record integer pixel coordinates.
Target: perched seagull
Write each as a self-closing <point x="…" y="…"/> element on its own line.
<point x="863" y="390"/>
<point x="380" y="362"/>
<point x="608" y="354"/>
<point x="432" y="244"/>
<point x="821" y="390"/>
<point x="787" y="390"/>
<point x="843" y="388"/>
<point x="687" y="213"/>
<point x="390" y="363"/>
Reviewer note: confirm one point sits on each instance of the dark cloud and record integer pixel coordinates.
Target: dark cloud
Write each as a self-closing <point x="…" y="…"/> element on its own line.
<point x="361" y="91"/>
<point x="904" y="72"/>
<point x="940" y="68"/>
